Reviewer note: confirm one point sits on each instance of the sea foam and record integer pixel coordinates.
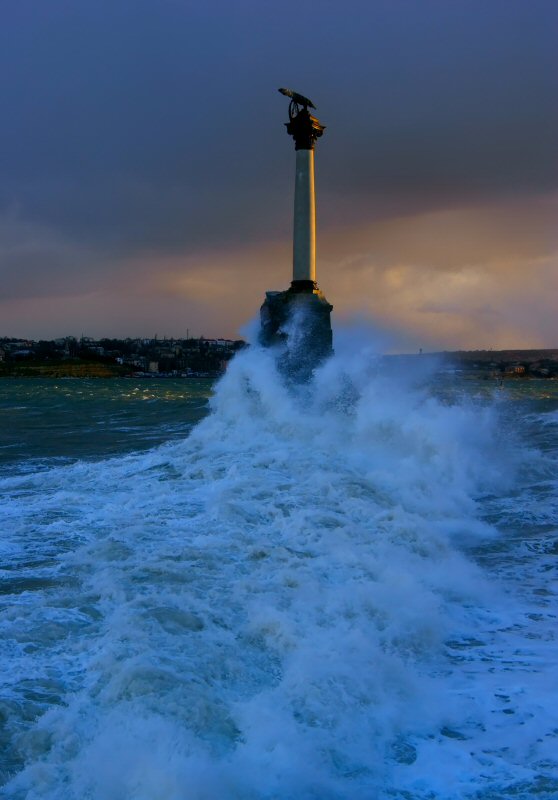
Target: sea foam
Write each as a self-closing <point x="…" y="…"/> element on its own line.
<point x="286" y="604"/>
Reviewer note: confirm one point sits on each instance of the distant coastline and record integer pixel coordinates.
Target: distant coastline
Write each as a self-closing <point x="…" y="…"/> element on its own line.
<point x="208" y="358"/>
<point x="496" y="364"/>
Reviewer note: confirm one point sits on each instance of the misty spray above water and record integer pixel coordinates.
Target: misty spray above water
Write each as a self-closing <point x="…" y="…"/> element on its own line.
<point x="286" y="604"/>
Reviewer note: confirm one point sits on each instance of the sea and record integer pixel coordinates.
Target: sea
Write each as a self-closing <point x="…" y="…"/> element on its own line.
<point x="248" y="590"/>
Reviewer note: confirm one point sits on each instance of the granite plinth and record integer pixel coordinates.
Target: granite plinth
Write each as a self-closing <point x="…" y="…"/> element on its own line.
<point x="297" y="322"/>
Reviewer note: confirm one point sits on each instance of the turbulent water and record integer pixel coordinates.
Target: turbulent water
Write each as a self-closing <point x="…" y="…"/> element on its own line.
<point x="343" y="592"/>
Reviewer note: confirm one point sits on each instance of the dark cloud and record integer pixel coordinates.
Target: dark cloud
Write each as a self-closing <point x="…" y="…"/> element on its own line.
<point x="157" y="123"/>
<point x="138" y="130"/>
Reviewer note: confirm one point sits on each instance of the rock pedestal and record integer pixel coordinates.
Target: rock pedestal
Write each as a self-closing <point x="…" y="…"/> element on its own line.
<point x="298" y="324"/>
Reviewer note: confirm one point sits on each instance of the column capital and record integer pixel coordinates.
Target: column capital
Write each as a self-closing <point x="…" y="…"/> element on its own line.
<point x="305" y="129"/>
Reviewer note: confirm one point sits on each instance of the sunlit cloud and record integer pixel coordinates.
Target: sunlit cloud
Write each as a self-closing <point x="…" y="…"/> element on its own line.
<point x="480" y="277"/>
<point x="475" y="277"/>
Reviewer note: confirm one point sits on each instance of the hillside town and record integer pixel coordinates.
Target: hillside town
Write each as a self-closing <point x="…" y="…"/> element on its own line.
<point x="208" y="358"/>
<point x="83" y="357"/>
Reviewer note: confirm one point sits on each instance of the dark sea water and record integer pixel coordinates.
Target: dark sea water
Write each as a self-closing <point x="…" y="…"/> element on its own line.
<point x="59" y="421"/>
<point x="237" y="591"/>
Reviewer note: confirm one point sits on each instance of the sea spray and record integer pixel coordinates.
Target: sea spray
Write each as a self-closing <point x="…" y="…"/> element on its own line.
<point x="283" y="605"/>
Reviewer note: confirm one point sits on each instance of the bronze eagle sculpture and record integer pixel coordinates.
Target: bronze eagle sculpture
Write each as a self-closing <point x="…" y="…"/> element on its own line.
<point x="296" y="101"/>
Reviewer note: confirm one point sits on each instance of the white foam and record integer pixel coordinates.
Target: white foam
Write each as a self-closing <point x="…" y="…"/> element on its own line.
<point x="281" y="606"/>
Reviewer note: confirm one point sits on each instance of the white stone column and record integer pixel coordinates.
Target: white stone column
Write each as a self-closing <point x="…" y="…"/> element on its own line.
<point x="304" y="235"/>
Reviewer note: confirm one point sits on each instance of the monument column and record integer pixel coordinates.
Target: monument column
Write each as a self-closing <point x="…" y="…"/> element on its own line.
<point x="297" y="321"/>
<point x="305" y="129"/>
<point x="304" y="230"/>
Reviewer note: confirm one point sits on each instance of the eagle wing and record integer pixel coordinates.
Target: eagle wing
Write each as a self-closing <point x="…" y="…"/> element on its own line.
<point x="298" y="98"/>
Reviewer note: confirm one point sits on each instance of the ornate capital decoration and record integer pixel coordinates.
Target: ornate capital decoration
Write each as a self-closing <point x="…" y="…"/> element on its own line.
<point x="303" y="287"/>
<point x="305" y="129"/>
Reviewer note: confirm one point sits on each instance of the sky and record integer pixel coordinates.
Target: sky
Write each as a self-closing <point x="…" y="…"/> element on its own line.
<point x="146" y="177"/>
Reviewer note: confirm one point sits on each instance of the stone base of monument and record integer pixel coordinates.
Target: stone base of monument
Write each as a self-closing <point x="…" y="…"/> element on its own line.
<point x="297" y="322"/>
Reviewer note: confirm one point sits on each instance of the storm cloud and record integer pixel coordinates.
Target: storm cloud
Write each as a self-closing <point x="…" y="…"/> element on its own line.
<point x="144" y="160"/>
